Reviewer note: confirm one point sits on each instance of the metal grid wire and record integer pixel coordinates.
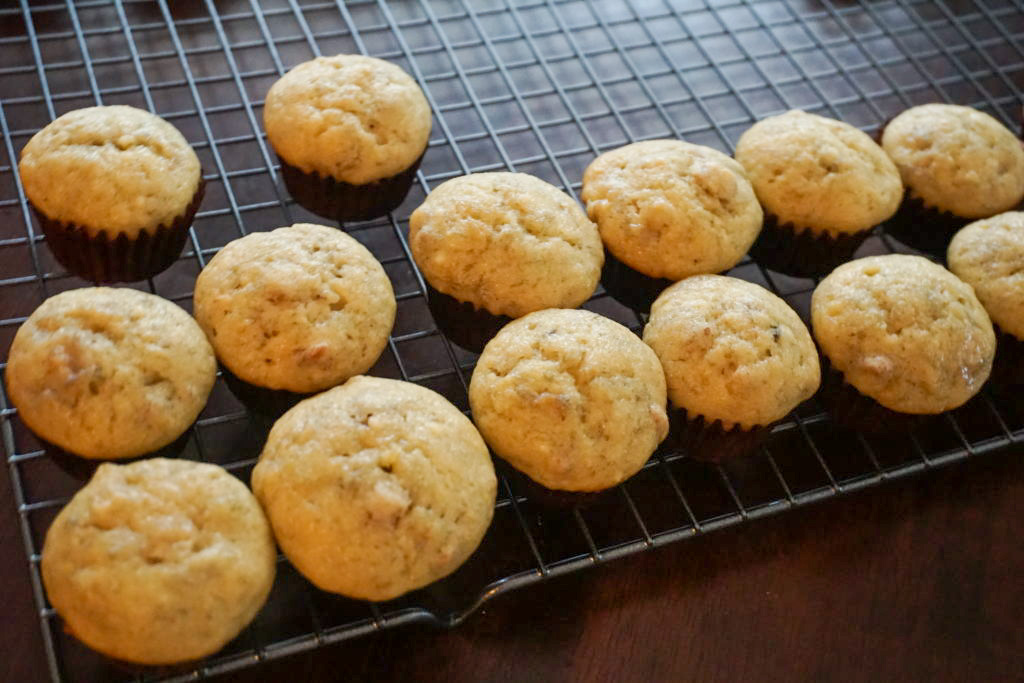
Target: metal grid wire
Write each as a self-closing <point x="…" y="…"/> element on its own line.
<point x="538" y="86"/>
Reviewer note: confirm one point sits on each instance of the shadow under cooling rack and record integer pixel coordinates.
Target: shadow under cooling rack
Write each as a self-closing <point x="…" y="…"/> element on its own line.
<point x="540" y="87"/>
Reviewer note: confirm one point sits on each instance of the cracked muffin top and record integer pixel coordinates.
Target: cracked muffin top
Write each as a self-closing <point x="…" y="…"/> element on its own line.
<point x="376" y="488"/>
<point x="109" y="373"/>
<point x="732" y="351"/>
<point x="989" y="256"/>
<point x="300" y="308"/>
<point x="159" y="561"/>
<point x="957" y="159"/>
<point x="670" y="209"/>
<point x="572" y="399"/>
<point x="905" y="332"/>
<point x="116" y="169"/>
<point x="509" y="243"/>
<point x="352" y="118"/>
<point x="819" y="174"/>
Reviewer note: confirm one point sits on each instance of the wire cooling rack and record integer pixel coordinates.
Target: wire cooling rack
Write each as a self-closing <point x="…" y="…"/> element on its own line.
<point x="534" y="86"/>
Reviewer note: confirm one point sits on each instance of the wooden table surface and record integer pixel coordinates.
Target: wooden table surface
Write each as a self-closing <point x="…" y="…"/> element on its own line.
<point x="916" y="580"/>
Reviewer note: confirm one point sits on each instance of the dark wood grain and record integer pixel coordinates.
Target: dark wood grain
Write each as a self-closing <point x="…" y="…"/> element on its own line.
<point x="912" y="581"/>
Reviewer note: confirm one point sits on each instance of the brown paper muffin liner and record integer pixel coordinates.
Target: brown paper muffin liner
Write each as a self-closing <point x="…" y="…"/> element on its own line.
<point x="463" y="323"/>
<point x="82" y="469"/>
<point x="122" y="259"/>
<point x="629" y="287"/>
<point x="1008" y="368"/>
<point x="923" y="227"/>
<point x="341" y="201"/>
<point x="551" y="499"/>
<point x="851" y="409"/>
<point x="710" y="441"/>
<point x="802" y="254"/>
<point x="272" y="403"/>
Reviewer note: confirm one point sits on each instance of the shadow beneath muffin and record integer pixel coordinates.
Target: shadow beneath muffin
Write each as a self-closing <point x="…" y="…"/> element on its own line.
<point x="82" y="469"/>
<point x="261" y="401"/>
<point x="541" y="496"/>
<point x="630" y="287"/>
<point x="468" y="326"/>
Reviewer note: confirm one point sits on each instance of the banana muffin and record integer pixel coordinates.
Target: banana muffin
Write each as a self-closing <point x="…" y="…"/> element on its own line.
<point x="823" y="184"/>
<point x="670" y="209"/>
<point x="509" y="243"/>
<point x="573" y="400"/>
<point x="376" y="488"/>
<point x="115" y="190"/>
<point x="109" y="373"/>
<point x="904" y="332"/>
<point x="350" y="132"/>
<point x="301" y="308"/>
<point x="733" y="352"/>
<point x="159" y="561"/>
<point x="957" y="160"/>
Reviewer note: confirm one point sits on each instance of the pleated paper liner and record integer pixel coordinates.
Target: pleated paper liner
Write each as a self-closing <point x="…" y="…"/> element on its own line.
<point x="1007" y="379"/>
<point x="851" y="409"/>
<point x="82" y="469"/>
<point x="803" y="254"/>
<point x="710" y="441"/>
<point x="99" y="258"/>
<point x="543" y="497"/>
<point x="261" y="401"/>
<point x="343" y="202"/>
<point x="630" y="287"/>
<point x="463" y="323"/>
<point x="923" y="227"/>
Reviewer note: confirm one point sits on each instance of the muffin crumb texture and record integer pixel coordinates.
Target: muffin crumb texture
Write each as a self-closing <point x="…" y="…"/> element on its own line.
<point x="957" y="159"/>
<point x="115" y="169"/>
<point x="353" y="118"/>
<point x="670" y="209"/>
<point x="109" y="373"/>
<point x="819" y="174"/>
<point x="905" y="332"/>
<point x="989" y="255"/>
<point x="300" y="308"/>
<point x="159" y="561"/>
<point x="732" y="351"/>
<point x="506" y="242"/>
<point x="376" y="487"/>
<point x="570" y="398"/>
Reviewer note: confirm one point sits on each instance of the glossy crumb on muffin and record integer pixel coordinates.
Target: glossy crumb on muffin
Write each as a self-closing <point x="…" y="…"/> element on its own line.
<point x="376" y="488"/>
<point x="904" y="332"/>
<point x="572" y="399"/>
<point x="109" y="373"/>
<point x="159" y="561"/>
<point x="300" y="308"/>
<point x="350" y="132"/>
<point x="115" y="189"/>
<point x="508" y="243"/>
<point x="670" y="209"/>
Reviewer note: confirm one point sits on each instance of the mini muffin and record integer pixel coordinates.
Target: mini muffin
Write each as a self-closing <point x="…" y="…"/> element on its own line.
<point x="573" y="400"/>
<point x="824" y="185"/>
<point x="958" y="164"/>
<point x="669" y="209"/>
<point x="737" y="358"/>
<point x="109" y="373"/>
<point x="301" y="308"/>
<point x="506" y="242"/>
<point x="350" y="132"/>
<point x="159" y="561"/>
<point x="989" y="255"/>
<point x="115" y="190"/>
<point x="904" y="332"/>
<point x="376" y="488"/>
